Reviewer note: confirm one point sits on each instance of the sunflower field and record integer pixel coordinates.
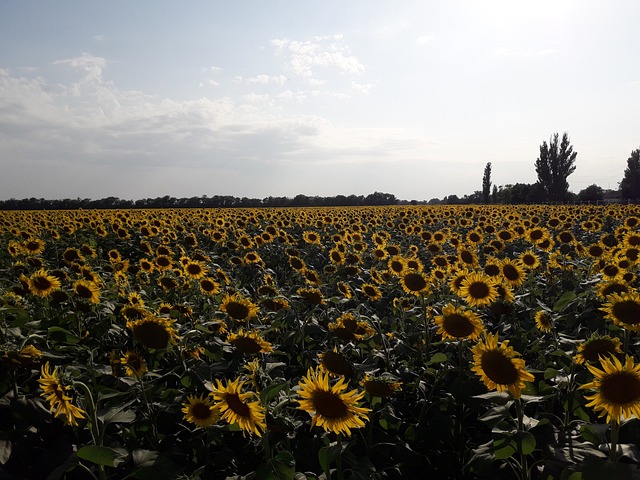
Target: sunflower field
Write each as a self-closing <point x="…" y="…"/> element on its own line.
<point x="320" y="343"/>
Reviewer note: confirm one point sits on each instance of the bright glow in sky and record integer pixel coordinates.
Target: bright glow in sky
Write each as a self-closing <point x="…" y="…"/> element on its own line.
<point x="258" y="98"/>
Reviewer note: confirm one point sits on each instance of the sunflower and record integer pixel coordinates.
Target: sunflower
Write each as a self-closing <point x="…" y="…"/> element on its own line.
<point x="134" y="364"/>
<point x="87" y="290"/>
<point x="459" y="324"/>
<point x="33" y="246"/>
<point x="333" y="408"/>
<point x="194" y="269"/>
<point x="590" y="350"/>
<point x="238" y="307"/>
<point x="345" y="289"/>
<point x="624" y="310"/>
<point x="275" y="304"/>
<point x="234" y="407"/>
<point x="311" y="237"/>
<point x="498" y="366"/>
<point x="200" y="411"/>
<point x="371" y="291"/>
<point x="348" y="328"/>
<point x="249" y="342"/>
<point x="529" y="260"/>
<point x="312" y="296"/>
<point x="608" y="287"/>
<point x="617" y="388"/>
<point x="414" y="282"/>
<point x="56" y="394"/>
<point x="512" y="273"/>
<point x="335" y="363"/>
<point x="397" y="264"/>
<point x="456" y="279"/>
<point x="381" y="387"/>
<point x="208" y="286"/>
<point x="478" y="289"/>
<point x="153" y="332"/>
<point x="42" y="284"/>
<point x="544" y="320"/>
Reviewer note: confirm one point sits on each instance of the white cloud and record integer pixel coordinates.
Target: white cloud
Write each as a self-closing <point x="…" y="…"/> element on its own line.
<point x="423" y="39"/>
<point x="362" y="88"/>
<point x="305" y="57"/>
<point x="91" y="65"/>
<point x="508" y="52"/>
<point x="267" y="79"/>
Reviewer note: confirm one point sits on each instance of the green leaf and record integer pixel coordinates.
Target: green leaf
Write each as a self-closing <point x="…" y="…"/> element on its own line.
<point x="61" y="335"/>
<point x="504" y="448"/>
<point x="438" y="358"/>
<point x="118" y="415"/>
<point x="280" y="467"/>
<point x="101" y="455"/>
<point x="527" y="442"/>
<point x="272" y="391"/>
<point x="144" y="458"/>
<point x="327" y="456"/>
<point x="564" y="301"/>
<point x="5" y="451"/>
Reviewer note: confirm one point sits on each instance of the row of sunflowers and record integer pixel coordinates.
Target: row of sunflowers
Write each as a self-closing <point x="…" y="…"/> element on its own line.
<point x="373" y="342"/>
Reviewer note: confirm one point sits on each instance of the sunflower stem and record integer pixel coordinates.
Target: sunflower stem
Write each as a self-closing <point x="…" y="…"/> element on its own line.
<point x="339" y="459"/>
<point x="524" y="469"/>
<point x="613" y="451"/>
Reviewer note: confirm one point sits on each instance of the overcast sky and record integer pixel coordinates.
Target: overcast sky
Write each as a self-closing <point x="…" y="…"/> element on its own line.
<point x="138" y="99"/>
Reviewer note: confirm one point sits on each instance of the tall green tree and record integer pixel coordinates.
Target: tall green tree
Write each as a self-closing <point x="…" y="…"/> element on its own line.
<point x="630" y="184"/>
<point x="486" y="183"/>
<point x="555" y="163"/>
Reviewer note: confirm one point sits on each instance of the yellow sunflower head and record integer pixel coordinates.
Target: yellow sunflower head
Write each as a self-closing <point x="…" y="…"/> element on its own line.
<point x="624" y="310"/>
<point x="236" y="407"/>
<point x="457" y="323"/>
<point x="200" y="411"/>
<point x="499" y="367"/>
<point x="332" y="407"/>
<point x="590" y="350"/>
<point x="617" y="388"/>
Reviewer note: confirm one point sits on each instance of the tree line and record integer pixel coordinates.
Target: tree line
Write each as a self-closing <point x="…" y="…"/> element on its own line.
<point x="553" y="166"/>
<point x="555" y="163"/>
<point x="216" y="201"/>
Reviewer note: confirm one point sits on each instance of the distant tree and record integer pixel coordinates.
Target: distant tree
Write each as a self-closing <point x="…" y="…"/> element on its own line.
<point x="593" y="193"/>
<point x="494" y="194"/>
<point x="554" y="165"/>
<point x="486" y="183"/>
<point x="630" y="184"/>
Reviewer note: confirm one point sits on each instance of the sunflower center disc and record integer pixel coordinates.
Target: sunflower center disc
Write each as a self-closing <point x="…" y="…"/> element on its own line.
<point x="246" y="345"/>
<point x="237" y="406"/>
<point x="201" y="411"/>
<point x="621" y="388"/>
<point x="457" y="325"/>
<point x="499" y="368"/>
<point x="479" y="290"/>
<point x="627" y="312"/>
<point x="329" y="404"/>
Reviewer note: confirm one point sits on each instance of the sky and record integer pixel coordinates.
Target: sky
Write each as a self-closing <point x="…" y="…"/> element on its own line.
<point x="147" y="98"/>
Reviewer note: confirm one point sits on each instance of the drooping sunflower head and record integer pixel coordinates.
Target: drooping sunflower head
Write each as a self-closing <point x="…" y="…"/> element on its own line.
<point x="153" y="332"/>
<point x="380" y="386"/>
<point x="312" y="296"/>
<point x="371" y="291"/>
<point x="617" y="389"/>
<point x="87" y="290"/>
<point x="499" y="367"/>
<point x="134" y="364"/>
<point x="200" y="411"/>
<point x="593" y="348"/>
<point x="249" y="342"/>
<point x="332" y="407"/>
<point x="624" y="310"/>
<point x="457" y="323"/>
<point x="335" y="363"/>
